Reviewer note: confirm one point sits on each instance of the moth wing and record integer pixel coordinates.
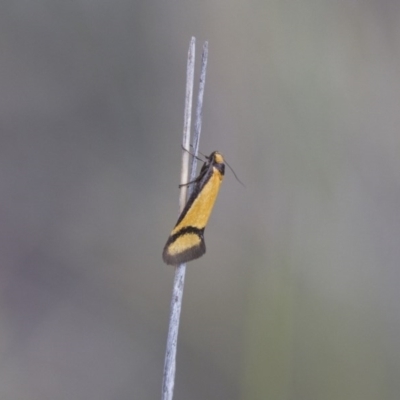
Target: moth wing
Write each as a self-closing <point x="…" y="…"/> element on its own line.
<point x="183" y="247"/>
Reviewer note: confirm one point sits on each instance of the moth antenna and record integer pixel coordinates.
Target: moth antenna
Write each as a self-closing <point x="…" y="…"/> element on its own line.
<point x="192" y="154"/>
<point x="204" y="155"/>
<point x="226" y="162"/>
<point x="199" y="151"/>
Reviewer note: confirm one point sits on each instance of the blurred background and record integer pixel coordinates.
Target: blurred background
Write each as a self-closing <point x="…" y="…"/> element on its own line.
<point x="298" y="295"/>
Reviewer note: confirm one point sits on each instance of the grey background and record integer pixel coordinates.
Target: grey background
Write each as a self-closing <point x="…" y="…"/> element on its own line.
<point x="297" y="296"/>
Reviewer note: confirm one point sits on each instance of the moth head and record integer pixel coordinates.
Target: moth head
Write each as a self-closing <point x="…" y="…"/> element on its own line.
<point x="216" y="157"/>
